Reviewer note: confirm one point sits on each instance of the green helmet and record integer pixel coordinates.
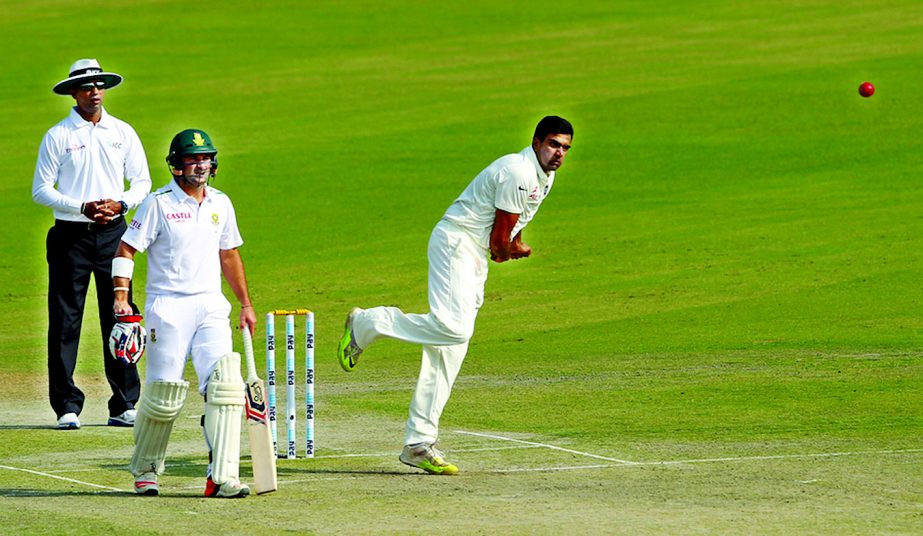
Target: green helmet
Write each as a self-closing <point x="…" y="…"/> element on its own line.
<point x="191" y="141"/>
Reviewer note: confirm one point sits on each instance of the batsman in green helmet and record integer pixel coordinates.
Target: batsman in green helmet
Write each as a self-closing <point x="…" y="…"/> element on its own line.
<point x="189" y="151"/>
<point x="189" y="231"/>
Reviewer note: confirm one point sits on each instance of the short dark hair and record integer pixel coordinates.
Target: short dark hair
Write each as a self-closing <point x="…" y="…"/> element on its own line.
<point x="552" y="124"/>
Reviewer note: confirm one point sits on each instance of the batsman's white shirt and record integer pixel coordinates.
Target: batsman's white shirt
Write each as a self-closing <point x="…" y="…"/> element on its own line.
<point x="184" y="238"/>
<point x="457" y="252"/>
<point x="185" y="313"/>
<point x="89" y="162"/>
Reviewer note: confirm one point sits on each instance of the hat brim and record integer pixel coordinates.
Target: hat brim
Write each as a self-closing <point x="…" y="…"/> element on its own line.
<point x="109" y="80"/>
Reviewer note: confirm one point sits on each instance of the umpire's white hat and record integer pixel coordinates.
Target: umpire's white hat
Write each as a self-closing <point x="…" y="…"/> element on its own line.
<point x="84" y="70"/>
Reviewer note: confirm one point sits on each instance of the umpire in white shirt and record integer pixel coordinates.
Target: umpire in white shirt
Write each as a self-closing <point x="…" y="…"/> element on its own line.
<point x="83" y="163"/>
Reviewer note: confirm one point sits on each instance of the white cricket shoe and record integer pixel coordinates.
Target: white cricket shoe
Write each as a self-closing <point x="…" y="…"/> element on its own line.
<point x="146" y="484"/>
<point x="69" y="421"/>
<point x="125" y="419"/>
<point x="232" y="489"/>
<point x="425" y="456"/>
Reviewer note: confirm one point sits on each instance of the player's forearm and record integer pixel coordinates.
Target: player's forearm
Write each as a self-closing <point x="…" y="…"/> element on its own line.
<point x="140" y="187"/>
<point x="500" y="249"/>
<point x="500" y="241"/>
<point x="232" y="266"/>
<point x="122" y="273"/>
<point x="45" y="194"/>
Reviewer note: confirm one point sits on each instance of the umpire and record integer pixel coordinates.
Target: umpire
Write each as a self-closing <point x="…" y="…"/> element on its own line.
<point x="80" y="174"/>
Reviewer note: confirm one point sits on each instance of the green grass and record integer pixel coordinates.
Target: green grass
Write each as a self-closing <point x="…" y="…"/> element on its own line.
<point x="727" y="273"/>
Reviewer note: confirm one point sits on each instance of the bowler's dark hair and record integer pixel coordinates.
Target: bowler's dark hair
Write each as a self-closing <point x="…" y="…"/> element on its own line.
<point x="552" y="124"/>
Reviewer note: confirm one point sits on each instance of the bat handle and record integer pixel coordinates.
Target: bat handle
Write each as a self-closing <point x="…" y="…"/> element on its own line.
<point x="248" y="352"/>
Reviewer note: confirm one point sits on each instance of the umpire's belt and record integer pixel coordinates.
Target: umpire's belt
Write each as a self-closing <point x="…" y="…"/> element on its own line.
<point x="89" y="226"/>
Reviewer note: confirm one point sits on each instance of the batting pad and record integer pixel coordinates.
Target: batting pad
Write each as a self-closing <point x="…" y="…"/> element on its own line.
<point x="159" y="406"/>
<point x="224" y="405"/>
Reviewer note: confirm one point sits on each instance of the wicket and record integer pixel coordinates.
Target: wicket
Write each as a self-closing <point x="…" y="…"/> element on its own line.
<point x="290" y="397"/>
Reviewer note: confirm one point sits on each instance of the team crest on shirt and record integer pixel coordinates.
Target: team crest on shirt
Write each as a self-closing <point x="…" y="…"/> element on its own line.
<point x="534" y="195"/>
<point x="215" y="219"/>
<point x="153" y="335"/>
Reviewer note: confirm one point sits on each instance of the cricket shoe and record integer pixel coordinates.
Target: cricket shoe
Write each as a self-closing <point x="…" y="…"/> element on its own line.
<point x="425" y="456"/>
<point x="348" y="351"/>
<point x="69" y="421"/>
<point x="146" y="484"/>
<point x="124" y="419"/>
<point x="232" y="489"/>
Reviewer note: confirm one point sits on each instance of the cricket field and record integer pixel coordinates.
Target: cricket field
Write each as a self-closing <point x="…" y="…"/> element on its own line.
<point x="720" y="329"/>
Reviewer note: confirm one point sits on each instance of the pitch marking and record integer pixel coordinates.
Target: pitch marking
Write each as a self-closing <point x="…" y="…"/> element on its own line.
<point x="710" y="460"/>
<point x="389" y="454"/>
<point x="547" y="446"/>
<point x="39" y="473"/>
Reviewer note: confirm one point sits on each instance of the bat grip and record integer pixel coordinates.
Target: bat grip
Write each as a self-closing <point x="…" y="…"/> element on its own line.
<point x="248" y="352"/>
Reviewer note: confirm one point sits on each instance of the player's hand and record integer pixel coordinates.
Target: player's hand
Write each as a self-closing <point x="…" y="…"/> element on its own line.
<point x="247" y="319"/>
<point x="121" y="308"/>
<point x="102" y="211"/>
<point x="520" y="251"/>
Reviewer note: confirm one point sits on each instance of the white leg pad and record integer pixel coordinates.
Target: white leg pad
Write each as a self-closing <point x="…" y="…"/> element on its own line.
<point x="224" y="405"/>
<point x="159" y="406"/>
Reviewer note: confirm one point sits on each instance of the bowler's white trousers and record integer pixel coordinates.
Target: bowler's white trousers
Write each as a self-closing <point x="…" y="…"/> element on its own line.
<point x="179" y="326"/>
<point x="457" y="274"/>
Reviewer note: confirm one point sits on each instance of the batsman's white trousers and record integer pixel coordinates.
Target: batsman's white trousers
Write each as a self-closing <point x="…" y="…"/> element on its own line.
<point x="457" y="274"/>
<point x="179" y="326"/>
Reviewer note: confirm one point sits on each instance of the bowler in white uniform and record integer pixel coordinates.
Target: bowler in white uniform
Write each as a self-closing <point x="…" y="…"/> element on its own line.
<point x="484" y="223"/>
<point x="189" y="231"/>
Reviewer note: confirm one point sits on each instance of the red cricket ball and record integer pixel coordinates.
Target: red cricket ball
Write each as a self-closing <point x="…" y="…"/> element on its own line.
<point x="866" y="89"/>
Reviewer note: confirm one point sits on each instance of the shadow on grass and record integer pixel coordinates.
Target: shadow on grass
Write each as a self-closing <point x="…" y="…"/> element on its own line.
<point x="164" y="495"/>
<point x="371" y="472"/>
<point x="22" y="492"/>
<point x="186" y="466"/>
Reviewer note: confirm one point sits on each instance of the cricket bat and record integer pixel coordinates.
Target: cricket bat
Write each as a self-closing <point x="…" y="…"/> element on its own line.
<point x="262" y="454"/>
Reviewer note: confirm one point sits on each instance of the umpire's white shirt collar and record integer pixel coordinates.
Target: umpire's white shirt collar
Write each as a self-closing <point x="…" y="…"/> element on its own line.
<point x="77" y="121"/>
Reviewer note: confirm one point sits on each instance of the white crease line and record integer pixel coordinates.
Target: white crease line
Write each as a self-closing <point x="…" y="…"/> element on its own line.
<point x="39" y="473"/>
<point x="784" y="456"/>
<point x="710" y="460"/>
<point x="389" y="454"/>
<point x="565" y="468"/>
<point x="545" y="445"/>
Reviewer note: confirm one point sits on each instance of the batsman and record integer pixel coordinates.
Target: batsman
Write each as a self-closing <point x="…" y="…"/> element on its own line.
<point x="189" y="231"/>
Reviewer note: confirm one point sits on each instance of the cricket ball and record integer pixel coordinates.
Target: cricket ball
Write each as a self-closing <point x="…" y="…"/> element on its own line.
<point x="866" y="89"/>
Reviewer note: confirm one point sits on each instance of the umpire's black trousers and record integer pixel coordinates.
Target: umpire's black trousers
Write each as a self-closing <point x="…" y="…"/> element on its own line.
<point x="74" y="251"/>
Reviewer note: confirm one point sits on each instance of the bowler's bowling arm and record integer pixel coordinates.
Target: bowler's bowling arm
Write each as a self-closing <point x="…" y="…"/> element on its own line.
<point x="500" y="243"/>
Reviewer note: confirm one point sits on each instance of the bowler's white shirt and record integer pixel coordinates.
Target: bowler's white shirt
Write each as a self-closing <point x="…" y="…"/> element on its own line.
<point x="183" y="238"/>
<point x="89" y="162"/>
<point x="515" y="183"/>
